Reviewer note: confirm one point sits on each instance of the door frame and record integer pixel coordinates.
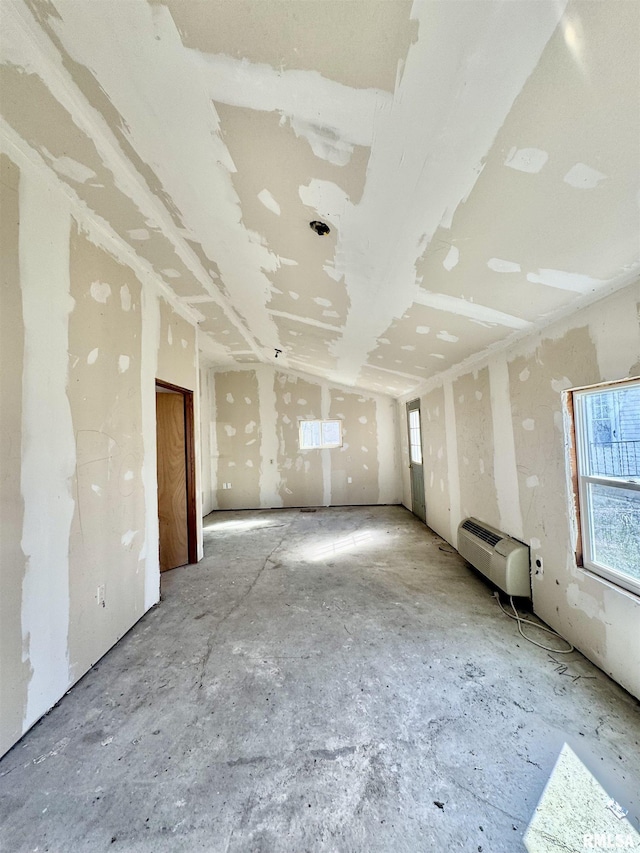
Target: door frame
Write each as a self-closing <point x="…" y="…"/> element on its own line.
<point x="190" y="466"/>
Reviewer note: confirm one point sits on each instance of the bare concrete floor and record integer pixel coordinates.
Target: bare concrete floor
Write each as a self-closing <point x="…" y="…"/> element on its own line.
<point x="329" y="681"/>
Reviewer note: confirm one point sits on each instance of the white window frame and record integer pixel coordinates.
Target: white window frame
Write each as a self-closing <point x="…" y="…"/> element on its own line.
<point x="322" y="445"/>
<point x="586" y="479"/>
<point x="415" y="435"/>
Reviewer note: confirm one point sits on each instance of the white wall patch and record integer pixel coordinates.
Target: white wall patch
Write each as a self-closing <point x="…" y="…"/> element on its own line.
<point x="526" y="159"/>
<point x="466" y="308"/>
<point x="138" y="234"/>
<point x="583" y="177"/>
<point x="499" y="265"/>
<point x="100" y="291"/>
<point x="70" y="168"/>
<point x="128" y="537"/>
<point x="565" y="280"/>
<point x="452" y="259"/>
<point x="125" y="297"/>
<point x="269" y="201"/>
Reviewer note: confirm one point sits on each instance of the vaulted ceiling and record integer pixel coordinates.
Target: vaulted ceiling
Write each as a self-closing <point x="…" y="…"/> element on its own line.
<point x="477" y="164"/>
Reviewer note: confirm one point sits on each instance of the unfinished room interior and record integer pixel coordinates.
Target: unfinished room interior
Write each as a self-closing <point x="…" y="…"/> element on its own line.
<point x="320" y="426"/>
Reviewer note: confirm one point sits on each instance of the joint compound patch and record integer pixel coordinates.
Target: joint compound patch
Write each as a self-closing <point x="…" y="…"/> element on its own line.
<point x="499" y="265"/>
<point x="269" y="202"/>
<point x="452" y="259"/>
<point x="100" y="291"/>
<point x="526" y="159"/>
<point x="583" y="177"/>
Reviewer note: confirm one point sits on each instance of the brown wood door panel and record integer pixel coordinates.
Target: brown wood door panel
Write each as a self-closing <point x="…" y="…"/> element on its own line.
<point x="172" y="481"/>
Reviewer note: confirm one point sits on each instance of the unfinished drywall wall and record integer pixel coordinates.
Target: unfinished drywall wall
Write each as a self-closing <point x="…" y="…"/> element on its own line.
<point x="472" y="404"/>
<point x="536" y="385"/>
<point x="15" y="670"/>
<point x="517" y="428"/>
<point x="104" y="390"/>
<point x="300" y="474"/>
<point x="82" y="347"/>
<point x="177" y="350"/>
<point x="205" y="381"/>
<point x="238" y="439"/>
<point x="48" y="448"/>
<point x="434" y="443"/>
<point x="355" y="468"/>
<point x="256" y="459"/>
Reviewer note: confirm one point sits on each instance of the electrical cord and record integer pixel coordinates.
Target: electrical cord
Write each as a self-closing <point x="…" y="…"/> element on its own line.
<point x="522" y="622"/>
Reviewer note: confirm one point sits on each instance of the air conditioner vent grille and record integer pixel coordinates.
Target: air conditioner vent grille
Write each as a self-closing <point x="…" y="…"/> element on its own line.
<point x="481" y="532"/>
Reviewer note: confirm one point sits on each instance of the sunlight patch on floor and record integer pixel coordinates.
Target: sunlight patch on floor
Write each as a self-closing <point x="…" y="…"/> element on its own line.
<point x="343" y="545"/>
<point x="241" y="524"/>
<point x="576" y="814"/>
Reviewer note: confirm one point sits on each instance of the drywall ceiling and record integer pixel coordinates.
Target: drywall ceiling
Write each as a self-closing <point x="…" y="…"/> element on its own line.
<point x="477" y="163"/>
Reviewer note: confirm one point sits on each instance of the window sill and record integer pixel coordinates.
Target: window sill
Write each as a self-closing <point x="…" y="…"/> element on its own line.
<point x="633" y="596"/>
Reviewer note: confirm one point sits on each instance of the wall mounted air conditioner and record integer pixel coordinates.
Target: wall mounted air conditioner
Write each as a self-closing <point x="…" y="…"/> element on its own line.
<point x="503" y="560"/>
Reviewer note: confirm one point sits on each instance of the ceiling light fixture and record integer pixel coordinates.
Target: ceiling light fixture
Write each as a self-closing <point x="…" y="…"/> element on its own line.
<point x="319" y="227"/>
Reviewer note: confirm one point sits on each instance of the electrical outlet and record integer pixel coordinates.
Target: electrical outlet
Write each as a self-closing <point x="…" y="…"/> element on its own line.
<point x="538" y="565"/>
<point x="349" y="479"/>
<point x="100" y="596"/>
<point x="228" y="485"/>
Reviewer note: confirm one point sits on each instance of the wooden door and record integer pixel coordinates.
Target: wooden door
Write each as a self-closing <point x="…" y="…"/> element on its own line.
<point x="172" y="480"/>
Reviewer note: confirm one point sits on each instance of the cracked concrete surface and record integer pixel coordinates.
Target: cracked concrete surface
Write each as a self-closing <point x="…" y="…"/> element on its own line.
<point x="329" y="681"/>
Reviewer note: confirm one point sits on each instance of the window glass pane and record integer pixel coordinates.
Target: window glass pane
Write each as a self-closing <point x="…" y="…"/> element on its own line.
<point x="613" y="433"/>
<point x="415" y="444"/>
<point x="331" y="432"/>
<point x="310" y="434"/>
<point x="615" y="519"/>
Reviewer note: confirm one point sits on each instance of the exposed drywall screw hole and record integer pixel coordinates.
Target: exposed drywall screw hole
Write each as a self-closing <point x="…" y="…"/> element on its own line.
<point x="319" y="227"/>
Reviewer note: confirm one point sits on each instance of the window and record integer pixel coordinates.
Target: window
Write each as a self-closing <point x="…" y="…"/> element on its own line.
<point x="607" y="427"/>
<point x="319" y="434"/>
<point x="415" y="443"/>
